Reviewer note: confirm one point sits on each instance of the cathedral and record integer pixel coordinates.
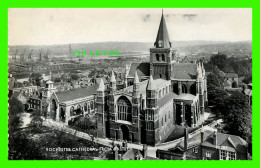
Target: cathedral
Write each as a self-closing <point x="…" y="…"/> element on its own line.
<point x="158" y="95"/>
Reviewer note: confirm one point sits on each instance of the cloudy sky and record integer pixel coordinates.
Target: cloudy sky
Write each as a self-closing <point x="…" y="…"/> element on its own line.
<point x="44" y="26"/>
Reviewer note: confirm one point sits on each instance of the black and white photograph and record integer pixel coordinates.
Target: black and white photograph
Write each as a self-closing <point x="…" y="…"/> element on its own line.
<point x="130" y="84"/>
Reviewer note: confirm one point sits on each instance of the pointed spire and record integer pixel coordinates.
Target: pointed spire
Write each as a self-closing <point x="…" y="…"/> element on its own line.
<point x="112" y="79"/>
<point x="199" y="72"/>
<point x="203" y="69"/>
<point x="151" y="84"/>
<point x="136" y="80"/>
<point x="162" y="39"/>
<point x="101" y="86"/>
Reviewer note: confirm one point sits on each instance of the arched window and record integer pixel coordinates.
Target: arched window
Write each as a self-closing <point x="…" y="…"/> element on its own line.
<point x="91" y="105"/>
<point x="157" y="57"/>
<point x="163" y="91"/>
<point x="53" y="109"/>
<point x="72" y="111"/>
<point x="62" y="114"/>
<point x="193" y="89"/>
<point x="160" y="94"/>
<point x="184" y="88"/>
<point x="124" y="109"/>
<point x="78" y="111"/>
<point x="163" y="57"/>
<point x="85" y="107"/>
<point x="175" y="88"/>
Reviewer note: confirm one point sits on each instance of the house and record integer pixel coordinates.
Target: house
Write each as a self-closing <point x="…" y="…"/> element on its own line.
<point x="232" y="79"/>
<point x="207" y="145"/>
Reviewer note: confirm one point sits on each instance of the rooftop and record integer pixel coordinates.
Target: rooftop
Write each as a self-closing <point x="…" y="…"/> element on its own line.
<point x="231" y="75"/>
<point x="76" y="93"/>
<point x="184" y="71"/>
<point x="143" y="69"/>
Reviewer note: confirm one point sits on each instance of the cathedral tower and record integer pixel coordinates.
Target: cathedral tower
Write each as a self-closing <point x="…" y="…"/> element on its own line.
<point x="162" y="56"/>
<point x="150" y="112"/>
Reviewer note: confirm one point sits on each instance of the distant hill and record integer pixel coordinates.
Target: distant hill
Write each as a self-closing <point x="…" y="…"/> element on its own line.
<point x="126" y="47"/>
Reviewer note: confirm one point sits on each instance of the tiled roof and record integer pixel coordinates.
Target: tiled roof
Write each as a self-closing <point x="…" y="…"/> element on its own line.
<point x="143" y="69"/>
<point x="231" y="141"/>
<point x="166" y="98"/>
<point x="196" y="140"/>
<point x="76" y="93"/>
<point x="143" y="85"/>
<point x="231" y="75"/>
<point x="184" y="71"/>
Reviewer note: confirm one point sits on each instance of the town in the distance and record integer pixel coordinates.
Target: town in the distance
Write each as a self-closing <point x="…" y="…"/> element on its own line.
<point x="163" y="101"/>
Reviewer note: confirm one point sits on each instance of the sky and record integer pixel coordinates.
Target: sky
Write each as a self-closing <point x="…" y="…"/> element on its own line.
<point x="48" y="26"/>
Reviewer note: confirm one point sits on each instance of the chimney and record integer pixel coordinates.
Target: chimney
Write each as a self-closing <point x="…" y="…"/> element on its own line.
<point x="186" y="139"/>
<point x="215" y="138"/>
<point x="202" y="135"/>
<point x="145" y="150"/>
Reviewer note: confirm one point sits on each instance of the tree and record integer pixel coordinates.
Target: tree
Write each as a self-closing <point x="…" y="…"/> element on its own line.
<point x="237" y="115"/>
<point x="74" y="77"/>
<point x="36" y="121"/>
<point x="247" y="79"/>
<point x="35" y="78"/>
<point x="219" y="60"/>
<point x="20" y="147"/>
<point x="15" y="109"/>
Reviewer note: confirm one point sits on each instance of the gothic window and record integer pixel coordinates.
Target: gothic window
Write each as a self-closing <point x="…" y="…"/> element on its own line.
<point x="193" y="89"/>
<point x="85" y="107"/>
<point x="175" y="88"/>
<point x="72" y="111"/>
<point x="163" y="57"/>
<point x="78" y="111"/>
<point x="150" y="125"/>
<point x="157" y="57"/>
<point x="184" y="88"/>
<point x="91" y="105"/>
<point x="124" y="109"/>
